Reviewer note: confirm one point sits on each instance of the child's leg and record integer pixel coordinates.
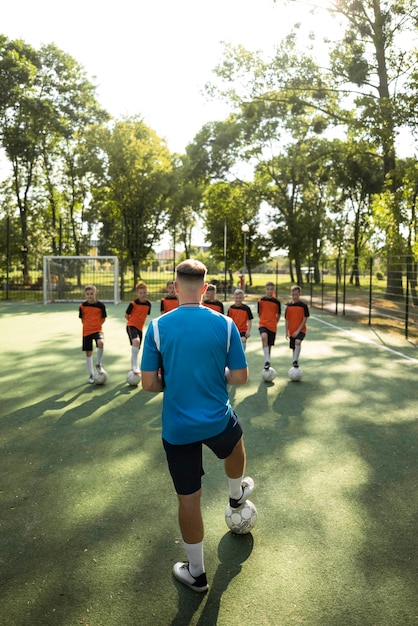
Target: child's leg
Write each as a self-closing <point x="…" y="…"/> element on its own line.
<point x="296" y="351"/>
<point x="134" y="357"/>
<point x="266" y="347"/>
<point x="100" y="347"/>
<point x="89" y="360"/>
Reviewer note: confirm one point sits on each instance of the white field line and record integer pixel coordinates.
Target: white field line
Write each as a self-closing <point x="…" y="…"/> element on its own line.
<point x="366" y="340"/>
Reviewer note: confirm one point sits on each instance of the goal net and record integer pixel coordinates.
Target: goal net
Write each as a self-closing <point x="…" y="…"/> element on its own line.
<point x="64" y="278"/>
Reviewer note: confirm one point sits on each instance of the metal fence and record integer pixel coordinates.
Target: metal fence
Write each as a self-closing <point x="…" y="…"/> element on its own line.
<point x="373" y="291"/>
<point x="375" y="295"/>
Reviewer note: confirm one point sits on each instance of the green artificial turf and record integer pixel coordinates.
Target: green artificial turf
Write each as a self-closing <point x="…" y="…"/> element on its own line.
<point x="89" y="529"/>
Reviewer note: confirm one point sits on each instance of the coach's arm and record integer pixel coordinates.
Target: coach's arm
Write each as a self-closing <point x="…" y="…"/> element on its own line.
<point x="152" y="381"/>
<point x="236" y="377"/>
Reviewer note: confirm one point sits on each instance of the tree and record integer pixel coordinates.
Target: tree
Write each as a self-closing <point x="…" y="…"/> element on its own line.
<point x="184" y="202"/>
<point x="373" y="58"/>
<point x="132" y="199"/>
<point x="227" y="207"/>
<point x="357" y="171"/>
<point x="47" y="100"/>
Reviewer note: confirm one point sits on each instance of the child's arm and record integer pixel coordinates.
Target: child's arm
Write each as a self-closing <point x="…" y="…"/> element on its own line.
<point x="249" y="325"/>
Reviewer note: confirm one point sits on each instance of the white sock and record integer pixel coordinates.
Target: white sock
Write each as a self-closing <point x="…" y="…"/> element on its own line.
<point x="266" y="354"/>
<point x="134" y="358"/>
<point x="89" y="360"/>
<point x="296" y="353"/>
<point x="99" y="356"/>
<point x="235" y="489"/>
<point x="194" y="553"/>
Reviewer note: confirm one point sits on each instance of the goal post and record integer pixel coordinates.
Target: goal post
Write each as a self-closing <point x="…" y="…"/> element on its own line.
<point x="65" y="277"/>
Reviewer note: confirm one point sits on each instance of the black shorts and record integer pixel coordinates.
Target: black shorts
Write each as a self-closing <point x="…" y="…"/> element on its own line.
<point x="88" y="341"/>
<point x="271" y="336"/>
<point x="292" y="340"/>
<point x="185" y="461"/>
<point x="134" y="333"/>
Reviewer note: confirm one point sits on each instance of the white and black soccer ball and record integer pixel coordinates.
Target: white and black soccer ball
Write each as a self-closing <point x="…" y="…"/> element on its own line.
<point x="100" y="378"/>
<point x="133" y="379"/>
<point x="268" y="375"/>
<point x="295" y="374"/>
<point x="242" y="520"/>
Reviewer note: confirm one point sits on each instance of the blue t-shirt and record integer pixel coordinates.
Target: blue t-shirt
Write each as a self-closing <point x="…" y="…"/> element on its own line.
<point x="195" y="345"/>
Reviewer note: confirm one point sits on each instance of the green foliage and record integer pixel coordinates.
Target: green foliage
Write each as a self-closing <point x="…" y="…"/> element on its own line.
<point x="133" y="194"/>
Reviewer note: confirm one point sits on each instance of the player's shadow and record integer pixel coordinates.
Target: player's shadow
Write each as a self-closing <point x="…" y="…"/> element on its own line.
<point x="233" y="551"/>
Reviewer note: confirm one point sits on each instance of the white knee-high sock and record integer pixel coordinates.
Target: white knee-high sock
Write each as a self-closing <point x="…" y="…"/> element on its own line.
<point x="89" y="360"/>
<point x="134" y="358"/>
<point x="296" y="353"/>
<point x="194" y="553"/>
<point x="99" y="356"/>
<point x="235" y="489"/>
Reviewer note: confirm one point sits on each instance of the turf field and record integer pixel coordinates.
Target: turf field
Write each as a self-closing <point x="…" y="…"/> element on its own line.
<point x="88" y="518"/>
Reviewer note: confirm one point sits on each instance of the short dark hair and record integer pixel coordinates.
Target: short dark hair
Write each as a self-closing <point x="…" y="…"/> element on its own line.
<point x="191" y="269"/>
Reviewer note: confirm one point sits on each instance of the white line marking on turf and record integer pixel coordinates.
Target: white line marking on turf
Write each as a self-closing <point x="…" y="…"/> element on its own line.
<point x="366" y="340"/>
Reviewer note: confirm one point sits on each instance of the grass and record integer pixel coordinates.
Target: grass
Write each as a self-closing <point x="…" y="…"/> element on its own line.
<point x="89" y="528"/>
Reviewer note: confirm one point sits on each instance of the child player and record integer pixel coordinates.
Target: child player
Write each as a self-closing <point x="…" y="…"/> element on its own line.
<point x="242" y="316"/>
<point x="92" y="313"/>
<point x="170" y="301"/>
<point x="211" y="301"/>
<point x="135" y="315"/>
<point x="296" y="315"/>
<point x="269" y="311"/>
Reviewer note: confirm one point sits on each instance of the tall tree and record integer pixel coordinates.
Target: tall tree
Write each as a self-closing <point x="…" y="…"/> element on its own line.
<point x="133" y="198"/>
<point x="48" y="97"/>
<point x="373" y="60"/>
<point x="227" y="207"/>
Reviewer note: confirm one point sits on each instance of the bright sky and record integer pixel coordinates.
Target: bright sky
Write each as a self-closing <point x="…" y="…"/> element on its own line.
<point x="153" y="57"/>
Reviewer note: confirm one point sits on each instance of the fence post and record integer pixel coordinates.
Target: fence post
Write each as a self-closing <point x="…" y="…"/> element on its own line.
<point x="337" y="277"/>
<point x="344" y="283"/>
<point x="407" y="299"/>
<point x="7" y="257"/>
<point x="370" y="290"/>
<point x="122" y="260"/>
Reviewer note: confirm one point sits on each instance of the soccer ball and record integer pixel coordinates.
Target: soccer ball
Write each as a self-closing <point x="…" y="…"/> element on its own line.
<point x="242" y="520"/>
<point x="133" y="379"/>
<point x="268" y="375"/>
<point x="295" y="374"/>
<point x="100" y="377"/>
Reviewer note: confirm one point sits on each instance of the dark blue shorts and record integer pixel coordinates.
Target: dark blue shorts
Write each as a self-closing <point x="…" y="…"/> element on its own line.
<point x="185" y="461"/>
<point x="292" y="340"/>
<point x="271" y="336"/>
<point x="133" y="333"/>
<point x="88" y="341"/>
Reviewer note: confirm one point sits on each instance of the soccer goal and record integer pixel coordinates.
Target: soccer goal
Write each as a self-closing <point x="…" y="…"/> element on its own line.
<point x="64" y="278"/>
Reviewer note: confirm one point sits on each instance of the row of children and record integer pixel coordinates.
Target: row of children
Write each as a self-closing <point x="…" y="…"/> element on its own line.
<point x="93" y="314"/>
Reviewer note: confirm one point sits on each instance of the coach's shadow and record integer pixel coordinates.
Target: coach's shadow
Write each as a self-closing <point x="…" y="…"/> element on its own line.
<point x="233" y="551"/>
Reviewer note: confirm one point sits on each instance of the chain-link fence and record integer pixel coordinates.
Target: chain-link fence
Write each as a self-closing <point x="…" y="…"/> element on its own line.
<point x="374" y="291"/>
